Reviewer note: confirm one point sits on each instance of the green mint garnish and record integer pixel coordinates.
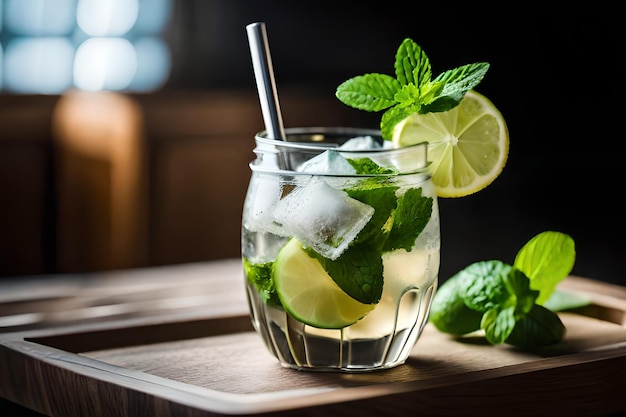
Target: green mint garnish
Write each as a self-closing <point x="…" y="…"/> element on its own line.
<point x="413" y="90"/>
<point x="383" y="198"/>
<point x="410" y="218"/>
<point x="512" y="300"/>
<point x="358" y="271"/>
<point x="260" y="275"/>
<point x="364" y="166"/>
<point x="396" y="223"/>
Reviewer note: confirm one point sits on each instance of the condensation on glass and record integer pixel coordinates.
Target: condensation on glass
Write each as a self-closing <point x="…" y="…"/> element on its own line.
<point x="301" y="200"/>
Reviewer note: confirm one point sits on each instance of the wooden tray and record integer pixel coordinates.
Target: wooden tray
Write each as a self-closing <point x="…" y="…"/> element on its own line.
<point x="209" y="362"/>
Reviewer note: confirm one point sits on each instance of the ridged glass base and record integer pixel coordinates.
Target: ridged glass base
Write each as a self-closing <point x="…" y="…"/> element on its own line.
<point x="396" y="327"/>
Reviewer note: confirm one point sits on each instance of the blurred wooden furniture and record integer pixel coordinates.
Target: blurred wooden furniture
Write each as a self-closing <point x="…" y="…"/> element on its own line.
<point x="177" y="340"/>
<point x="100" y="181"/>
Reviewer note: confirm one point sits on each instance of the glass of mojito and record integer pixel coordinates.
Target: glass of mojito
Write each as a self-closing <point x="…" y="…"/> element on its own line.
<point x="340" y="247"/>
<point x="340" y="227"/>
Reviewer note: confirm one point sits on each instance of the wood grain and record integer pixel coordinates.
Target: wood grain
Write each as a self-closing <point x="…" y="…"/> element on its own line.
<point x="209" y="362"/>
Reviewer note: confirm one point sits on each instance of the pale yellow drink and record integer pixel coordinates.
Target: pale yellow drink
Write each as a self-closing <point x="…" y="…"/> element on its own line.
<point x="343" y="329"/>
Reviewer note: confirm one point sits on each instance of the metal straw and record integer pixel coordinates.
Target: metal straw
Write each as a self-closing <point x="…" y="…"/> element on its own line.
<point x="264" y="74"/>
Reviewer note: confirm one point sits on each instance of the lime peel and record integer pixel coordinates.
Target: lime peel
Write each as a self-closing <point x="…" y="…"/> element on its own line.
<point x="468" y="145"/>
<point x="309" y="294"/>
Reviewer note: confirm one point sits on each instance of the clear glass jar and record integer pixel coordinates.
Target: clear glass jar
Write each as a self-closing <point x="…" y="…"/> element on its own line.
<point x="341" y="260"/>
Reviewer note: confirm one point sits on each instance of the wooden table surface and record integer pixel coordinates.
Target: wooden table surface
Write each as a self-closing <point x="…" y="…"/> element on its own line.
<point x="177" y="340"/>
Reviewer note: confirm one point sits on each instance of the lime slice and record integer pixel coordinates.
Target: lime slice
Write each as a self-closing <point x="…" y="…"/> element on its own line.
<point x="309" y="294"/>
<point x="468" y="145"/>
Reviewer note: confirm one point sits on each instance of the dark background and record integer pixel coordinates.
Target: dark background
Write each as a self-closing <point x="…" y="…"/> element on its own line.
<point x="556" y="75"/>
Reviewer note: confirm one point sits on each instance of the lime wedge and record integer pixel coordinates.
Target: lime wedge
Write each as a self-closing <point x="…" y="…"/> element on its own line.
<point x="468" y="145"/>
<point x="309" y="294"/>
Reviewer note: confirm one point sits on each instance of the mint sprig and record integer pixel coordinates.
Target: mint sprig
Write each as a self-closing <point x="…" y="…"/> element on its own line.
<point x="511" y="300"/>
<point x="412" y="90"/>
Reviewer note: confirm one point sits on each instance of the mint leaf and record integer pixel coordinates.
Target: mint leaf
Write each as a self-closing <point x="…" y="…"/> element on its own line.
<point x="407" y="96"/>
<point x="518" y="285"/>
<point x="412" y="64"/>
<point x="429" y="94"/>
<point x="546" y="259"/>
<point x="393" y="116"/>
<point x="498" y="324"/>
<point x="369" y="92"/>
<point x="383" y="198"/>
<point x="412" y="90"/>
<point x="364" y="166"/>
<point x="484" y="285"/>
<point x="260" y="275"/>
<point x="540" y="327"/>
<point x="396" y="223"/>
<point x="358" y="271"/>
<point x="441" y="104"/>
<point x="450" y="87"/>
<point x="409" y="219"/>
<point x="501" y="317"/>
<point x="458" y="81"/>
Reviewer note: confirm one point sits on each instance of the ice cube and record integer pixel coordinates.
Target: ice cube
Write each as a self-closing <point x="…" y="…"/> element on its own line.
<point x="387" y="144"/>
<point x="328" y="162"/>
<point x="260" y="203"/>
<point x="322" y="217"/>
<point x="360" y="143"/>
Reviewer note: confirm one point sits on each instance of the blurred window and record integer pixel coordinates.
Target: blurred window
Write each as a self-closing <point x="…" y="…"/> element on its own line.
<point x="50" y="46"/>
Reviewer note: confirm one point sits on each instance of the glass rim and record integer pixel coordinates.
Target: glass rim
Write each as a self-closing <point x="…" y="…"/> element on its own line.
<point x="318" y="134"/>
<point x="317" y="144"/>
